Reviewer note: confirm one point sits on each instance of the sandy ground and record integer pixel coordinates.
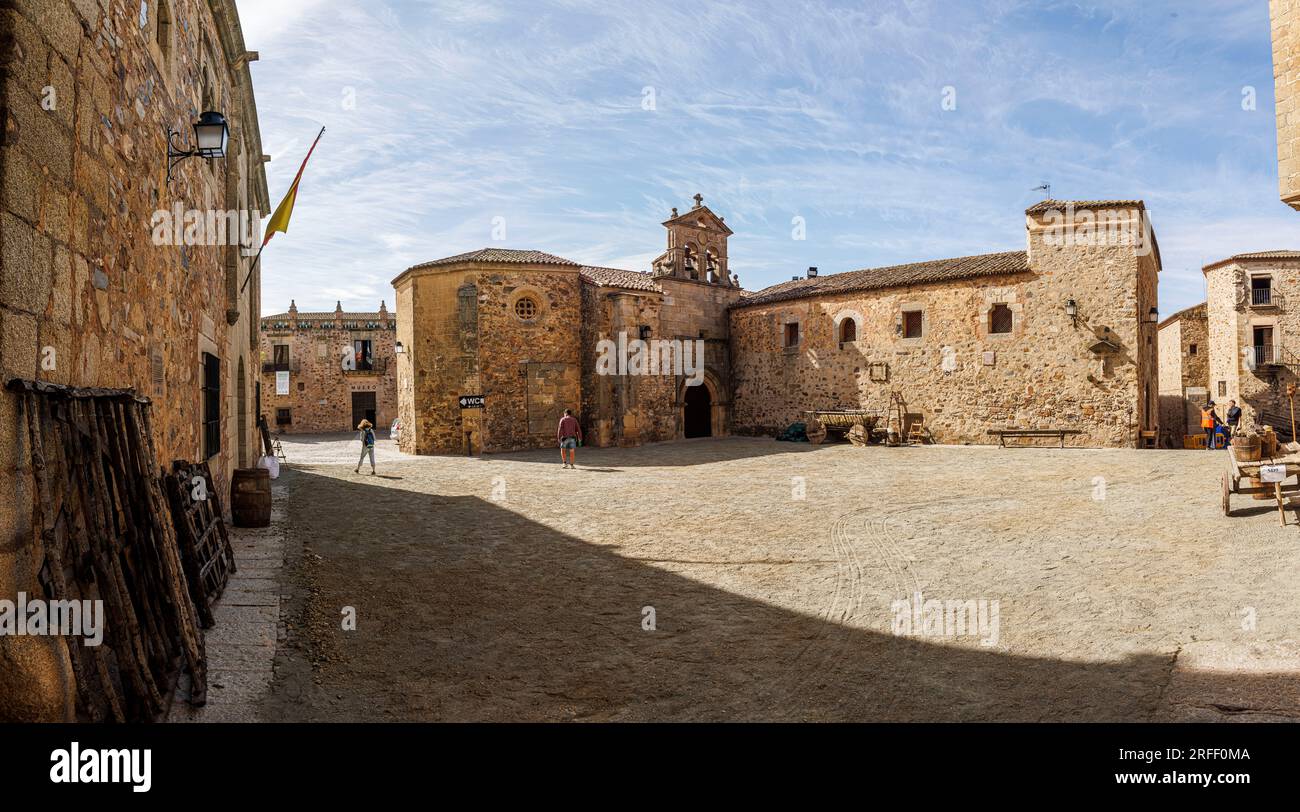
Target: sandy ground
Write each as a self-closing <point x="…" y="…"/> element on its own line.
<point x="507" y="588"/>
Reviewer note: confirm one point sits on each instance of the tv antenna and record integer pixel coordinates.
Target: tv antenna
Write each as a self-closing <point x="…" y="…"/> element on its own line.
<point x="1046" y="189"/>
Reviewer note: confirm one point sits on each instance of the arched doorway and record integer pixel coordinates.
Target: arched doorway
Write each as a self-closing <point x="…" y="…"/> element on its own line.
<point x="698" y="412"/>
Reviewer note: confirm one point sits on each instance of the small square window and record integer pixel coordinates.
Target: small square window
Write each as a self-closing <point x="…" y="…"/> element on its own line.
<point x="792" y="334"/>
<point x="1223" y="389"/>
<point x="913" y="324"/>
<point x="282" y="417"/>
<point x="1191" y="349"/>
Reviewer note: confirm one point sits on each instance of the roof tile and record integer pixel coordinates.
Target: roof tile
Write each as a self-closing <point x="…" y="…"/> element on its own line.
<point x="915" y="273"/>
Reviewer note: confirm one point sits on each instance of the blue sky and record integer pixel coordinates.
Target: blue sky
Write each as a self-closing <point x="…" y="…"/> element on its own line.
<point x="443" y="116"/>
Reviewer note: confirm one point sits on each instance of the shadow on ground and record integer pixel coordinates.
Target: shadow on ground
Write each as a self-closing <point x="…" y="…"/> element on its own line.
<point x="468" y="611"/>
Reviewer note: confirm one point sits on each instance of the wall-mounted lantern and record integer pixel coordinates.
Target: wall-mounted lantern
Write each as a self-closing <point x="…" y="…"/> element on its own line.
<point x="210" y="135"/>
<point x="399" y="349"/>
<point x="1153" y="316"/>
<point x="1072" y="310"/>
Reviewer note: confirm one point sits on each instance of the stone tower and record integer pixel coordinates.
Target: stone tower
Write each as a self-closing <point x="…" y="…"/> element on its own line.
<point x="697" y="247"/>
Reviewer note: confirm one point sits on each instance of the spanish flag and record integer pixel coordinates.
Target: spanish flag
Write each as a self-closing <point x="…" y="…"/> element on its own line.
<point x="280" y="219"/>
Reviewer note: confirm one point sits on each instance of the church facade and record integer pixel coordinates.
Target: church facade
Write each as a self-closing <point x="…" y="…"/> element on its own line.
<point x="498" y="342"/>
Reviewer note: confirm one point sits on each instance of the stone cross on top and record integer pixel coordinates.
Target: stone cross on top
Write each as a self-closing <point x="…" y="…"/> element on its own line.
<point x="699" y="200"/>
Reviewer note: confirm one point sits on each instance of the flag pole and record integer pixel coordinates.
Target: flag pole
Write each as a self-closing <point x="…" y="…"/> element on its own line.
<point x="286" y="208"/>
<point x="251" y="269"/>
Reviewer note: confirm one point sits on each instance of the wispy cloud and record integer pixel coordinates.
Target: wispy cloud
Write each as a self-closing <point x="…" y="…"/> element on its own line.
<point x="447" y="120"/>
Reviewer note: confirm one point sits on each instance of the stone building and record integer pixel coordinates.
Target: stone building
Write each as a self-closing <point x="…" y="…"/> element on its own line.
<point x="1285" y="15"/>
<point x="1254" y="332"/>
<point x="326" y="372"/>
<point x="1184" y="343"/>
<point x="1061" y="335"/>
<point x="522" y="328"/>
<point x="94" y="292"/>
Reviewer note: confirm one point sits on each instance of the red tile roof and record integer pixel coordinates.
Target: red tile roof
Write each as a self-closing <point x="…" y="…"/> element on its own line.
<point x="893" y="276"/>
<point x="1257" y="256"/>
<point x="619" y="278"/>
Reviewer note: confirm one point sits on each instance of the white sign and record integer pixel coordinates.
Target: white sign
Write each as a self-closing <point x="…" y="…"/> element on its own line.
<point x="1272" y="473"/>
<point x="282" y="382"/>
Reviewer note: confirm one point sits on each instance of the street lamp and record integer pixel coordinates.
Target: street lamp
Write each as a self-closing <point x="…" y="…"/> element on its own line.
<point x="210" y="135"/>
<point x="1072" y="310"/>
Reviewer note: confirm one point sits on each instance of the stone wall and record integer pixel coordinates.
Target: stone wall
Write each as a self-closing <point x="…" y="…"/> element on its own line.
<point x="1043" y="374"/>
<point x="1285" y="16"/>
<point x="530" y="371"/>
<point x="623" y="409"/>
<point x="86" y="296"/>
<point x="466" y="339"/>
<point x="1184" y="373"/>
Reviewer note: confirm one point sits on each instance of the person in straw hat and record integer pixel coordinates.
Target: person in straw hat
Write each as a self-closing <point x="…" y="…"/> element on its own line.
<point x="367" y="430"/>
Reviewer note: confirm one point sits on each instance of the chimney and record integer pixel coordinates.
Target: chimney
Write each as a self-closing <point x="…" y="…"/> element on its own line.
<point x="812" y="271"/>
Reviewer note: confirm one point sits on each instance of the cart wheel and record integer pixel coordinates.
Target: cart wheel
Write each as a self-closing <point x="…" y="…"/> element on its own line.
<point x="1227" y="510"/>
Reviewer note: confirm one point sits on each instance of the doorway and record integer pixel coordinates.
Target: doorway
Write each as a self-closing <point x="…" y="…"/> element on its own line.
<point x="363" y="408"/>
<point x="699" y="412"/>
<point x="1263" y="345"/>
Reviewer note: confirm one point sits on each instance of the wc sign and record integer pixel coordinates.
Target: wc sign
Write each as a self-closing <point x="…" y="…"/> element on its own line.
<point x="471" y="401"/>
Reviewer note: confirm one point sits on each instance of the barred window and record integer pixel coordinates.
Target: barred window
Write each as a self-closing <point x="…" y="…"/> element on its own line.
<point x="913" y="324"/>
<point x="1000" y="319"/>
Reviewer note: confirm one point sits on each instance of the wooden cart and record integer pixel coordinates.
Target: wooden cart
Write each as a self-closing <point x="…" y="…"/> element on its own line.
<point x="1239" y="470"/>
<point x="821" y="424"/>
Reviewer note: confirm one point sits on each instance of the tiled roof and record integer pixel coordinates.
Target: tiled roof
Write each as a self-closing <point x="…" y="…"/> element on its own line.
<point x="618" y="278"/>
<point x="893" y="276"/>
<point x="1193" y="312"/>
<point x="1048" y="205"/>
<point x="1254" y="257"/>
<point x="499" y="255"/>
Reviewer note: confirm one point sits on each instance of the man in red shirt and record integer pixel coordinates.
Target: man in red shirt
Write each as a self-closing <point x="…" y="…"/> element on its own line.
<point x="569" y="434"/>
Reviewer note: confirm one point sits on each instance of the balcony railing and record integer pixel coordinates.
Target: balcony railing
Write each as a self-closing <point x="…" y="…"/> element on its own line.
<point x="1267" y="355"/>
<point x="1265" y="297"/>
<point x="378" y="366"/>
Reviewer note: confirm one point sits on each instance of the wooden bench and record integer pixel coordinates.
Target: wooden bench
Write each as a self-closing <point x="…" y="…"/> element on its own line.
<point x="1060" y="434"/>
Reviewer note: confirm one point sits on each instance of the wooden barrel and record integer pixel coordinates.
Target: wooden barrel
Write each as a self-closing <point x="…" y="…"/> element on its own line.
<point x="250" y="497"/>
<point x="1247" y="448"/>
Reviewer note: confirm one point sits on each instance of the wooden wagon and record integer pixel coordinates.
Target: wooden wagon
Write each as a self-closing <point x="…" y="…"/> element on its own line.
<point x="1270" y="477"/>
<point x="821" y="424"/>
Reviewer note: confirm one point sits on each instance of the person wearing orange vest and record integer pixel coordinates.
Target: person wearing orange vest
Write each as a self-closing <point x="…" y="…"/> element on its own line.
<point x="1209" y="423"/>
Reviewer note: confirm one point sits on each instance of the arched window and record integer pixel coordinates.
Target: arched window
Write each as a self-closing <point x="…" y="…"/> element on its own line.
<point x="848" y="331"/>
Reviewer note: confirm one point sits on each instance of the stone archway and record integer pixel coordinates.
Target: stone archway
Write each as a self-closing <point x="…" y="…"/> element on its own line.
<point x="710" y="398"/>
<point x="697" y="412"/>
